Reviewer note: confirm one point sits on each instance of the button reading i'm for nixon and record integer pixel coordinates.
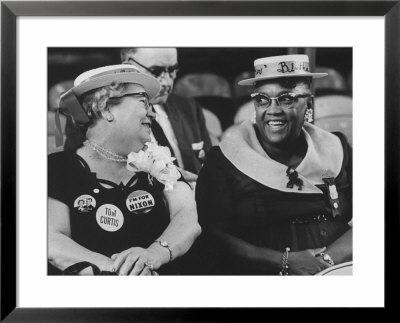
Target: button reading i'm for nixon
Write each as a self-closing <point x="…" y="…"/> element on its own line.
<point x="140" y="202"/>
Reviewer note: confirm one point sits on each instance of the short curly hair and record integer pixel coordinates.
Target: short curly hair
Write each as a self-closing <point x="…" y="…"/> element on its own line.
<point x="96" y="101"/>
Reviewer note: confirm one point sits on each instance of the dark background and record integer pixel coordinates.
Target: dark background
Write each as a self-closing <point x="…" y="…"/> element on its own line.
<point x="68" y="63"/>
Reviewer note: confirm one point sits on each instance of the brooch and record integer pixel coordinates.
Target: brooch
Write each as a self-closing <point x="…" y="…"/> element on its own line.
<point x="293" y="179"/>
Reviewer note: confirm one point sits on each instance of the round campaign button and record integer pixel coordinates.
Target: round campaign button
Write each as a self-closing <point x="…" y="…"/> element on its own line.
<point x="140" y="202"/>
<point x="85" y="203"/>
<point x="109" y="217"/>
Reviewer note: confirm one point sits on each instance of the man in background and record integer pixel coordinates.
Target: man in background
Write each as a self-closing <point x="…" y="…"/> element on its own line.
<point x="180" y="121"/>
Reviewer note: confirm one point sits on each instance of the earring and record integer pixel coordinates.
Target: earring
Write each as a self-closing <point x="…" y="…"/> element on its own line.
<point x="253" y="119"/>
<point x="109" y="116"/>
<point x="309" y="115"/>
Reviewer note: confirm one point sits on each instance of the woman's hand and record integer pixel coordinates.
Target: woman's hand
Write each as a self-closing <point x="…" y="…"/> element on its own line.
<point x="63" y="251"/>
<point x="136" y="261"/>
<point x="306" y="263"/>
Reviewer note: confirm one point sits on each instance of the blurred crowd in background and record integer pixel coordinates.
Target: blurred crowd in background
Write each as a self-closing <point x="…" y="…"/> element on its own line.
<point x="210" y="76"/>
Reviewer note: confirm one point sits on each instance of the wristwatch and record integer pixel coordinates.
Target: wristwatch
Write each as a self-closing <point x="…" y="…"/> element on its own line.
<point x="327" y="258"/>
<point x="165" y="244"/>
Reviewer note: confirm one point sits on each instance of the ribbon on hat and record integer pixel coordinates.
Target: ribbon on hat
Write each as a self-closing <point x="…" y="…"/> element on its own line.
<point x="93" y="74"/>
<point x="68" y="101"/>
<point x="131" y="69"/>
<point x="282" y="68"/>
<point x="58" y="131"/>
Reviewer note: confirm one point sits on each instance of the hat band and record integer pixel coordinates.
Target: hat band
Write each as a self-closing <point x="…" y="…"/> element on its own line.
<point x="283" y="68"/>
<point x="131" y="88"/>
<point x="129" y="69"/>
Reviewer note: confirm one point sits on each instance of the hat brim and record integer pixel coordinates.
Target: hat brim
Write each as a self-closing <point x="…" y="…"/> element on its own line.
<point x="253" y="80"/>
<point x="149" y="83"/>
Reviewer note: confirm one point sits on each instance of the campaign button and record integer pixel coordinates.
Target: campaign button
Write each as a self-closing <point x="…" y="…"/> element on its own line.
<point x="85" y="203"/>
<point x="140" y="202"/>
<point x="109" y="217"/>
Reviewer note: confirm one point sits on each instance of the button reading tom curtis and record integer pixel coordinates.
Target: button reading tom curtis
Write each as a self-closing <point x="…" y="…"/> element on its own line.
<point x="140" y="202"/>
<point x="109" y="217"/>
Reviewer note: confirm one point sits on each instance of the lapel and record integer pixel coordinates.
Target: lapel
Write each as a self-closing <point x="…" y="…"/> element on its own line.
<point x="182" y="132"/>
<point x="324" y="158"/>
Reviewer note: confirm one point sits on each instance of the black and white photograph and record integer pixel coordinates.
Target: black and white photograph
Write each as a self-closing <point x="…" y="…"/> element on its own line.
<point x="214" y="146"/>
<point x="200" y="161"/>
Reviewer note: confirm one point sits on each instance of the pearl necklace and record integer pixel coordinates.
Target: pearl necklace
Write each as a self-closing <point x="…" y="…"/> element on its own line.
<point x="103" y="152"/>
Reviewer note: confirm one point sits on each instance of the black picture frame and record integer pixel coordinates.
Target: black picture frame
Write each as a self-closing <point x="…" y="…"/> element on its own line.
<point x="11" y="10"/>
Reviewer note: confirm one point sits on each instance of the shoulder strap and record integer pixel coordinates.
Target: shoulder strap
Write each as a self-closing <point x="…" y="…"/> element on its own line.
<point x="78" y="267"/>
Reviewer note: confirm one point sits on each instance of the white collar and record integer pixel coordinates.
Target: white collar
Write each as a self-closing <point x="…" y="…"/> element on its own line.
<point x="160" y="110"/>
<point x="323" y="159"/>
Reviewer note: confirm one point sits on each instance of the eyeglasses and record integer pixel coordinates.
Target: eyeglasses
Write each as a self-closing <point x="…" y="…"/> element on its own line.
<point x="140" y="96"/>
<point x="284" y="100"/>
<point x="158" y="71"/>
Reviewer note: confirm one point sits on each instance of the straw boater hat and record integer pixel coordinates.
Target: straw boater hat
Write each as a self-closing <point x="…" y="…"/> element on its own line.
<point x="103" y="76"/>
<point x="281" y="66"/>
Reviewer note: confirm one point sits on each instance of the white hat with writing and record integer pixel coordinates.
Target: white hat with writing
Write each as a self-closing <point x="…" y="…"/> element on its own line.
<point x="122" y="73"/>
<point x="281" y="66"/>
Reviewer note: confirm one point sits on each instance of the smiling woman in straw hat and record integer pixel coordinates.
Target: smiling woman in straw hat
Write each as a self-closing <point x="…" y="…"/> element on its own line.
<point x="116" y="204"/>
<point x="276" y="196"/>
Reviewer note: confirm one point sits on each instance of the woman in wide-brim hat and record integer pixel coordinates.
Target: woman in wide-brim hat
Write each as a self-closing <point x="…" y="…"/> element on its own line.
<point x="276" y="196"/>
<point x="116" y="204"/>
